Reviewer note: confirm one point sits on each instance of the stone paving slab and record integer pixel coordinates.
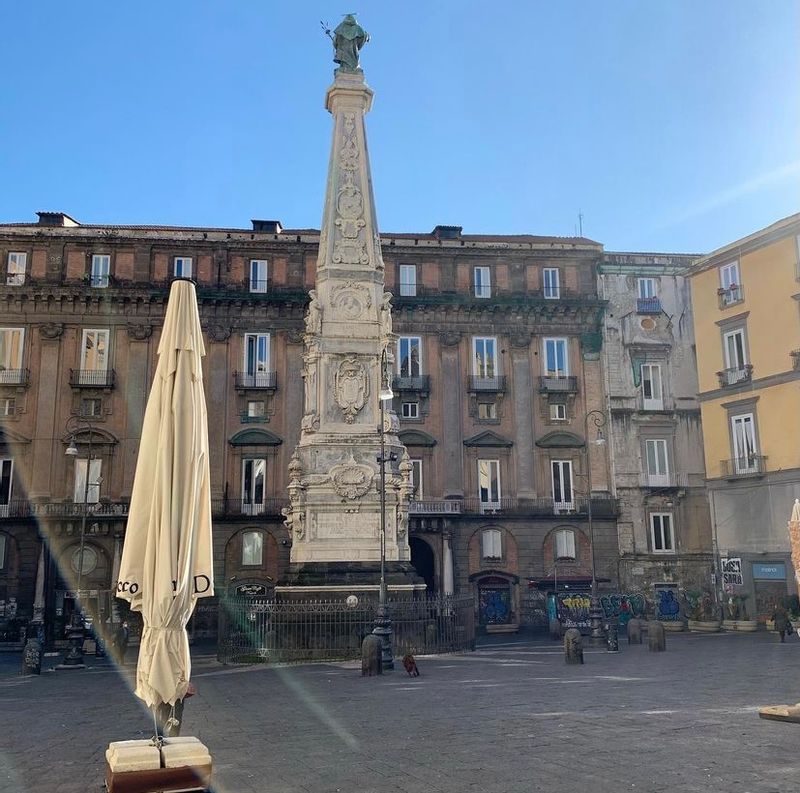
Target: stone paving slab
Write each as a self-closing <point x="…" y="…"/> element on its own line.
<point x="510" y="717"/>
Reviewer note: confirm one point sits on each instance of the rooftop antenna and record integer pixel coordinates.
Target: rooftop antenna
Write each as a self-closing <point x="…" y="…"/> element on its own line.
<point x="580" y="223"/>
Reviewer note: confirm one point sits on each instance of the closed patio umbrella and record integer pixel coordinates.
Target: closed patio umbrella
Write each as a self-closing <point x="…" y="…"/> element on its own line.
<point x="794" y="537"/>
<point x="167" y="560"/>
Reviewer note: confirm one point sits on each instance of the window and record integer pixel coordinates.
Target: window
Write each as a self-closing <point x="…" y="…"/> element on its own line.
<point x="408" y="280"/>
<point x="563" y="497"/>
<point x="491" y="544"/>
<point x="652" y="394"/>
<point x="409" y="410"/>
<point x="646" y="288"/>
<point x="17" y="263"/>
<point x="565" y="544"/>
<point x="487" y="411"/>
<point x="483" y="284"/>
<point x="416" y="478"/>
<point x="91" y="407"/>
<point x="254" y="472"/>
<point x="2" y="551"/>
<point x="408" y="356"/>
<point x="11" y="341"/>
<point x="735" y="348"/>
<point x="94" y="357"/>
<point x="552" y="289"/>
<point x="657" y="462"/>
<point x="489" y="484"/>
<point x="730" y="284"/>
<point x="556" y="362"/>
<point x="484" y="357"/>
<point x="252" y="549"/>
<point x="6" y="479"/>
<point x="8" y="406"/>
<point x="258" y="275"/>
<point x="183" y="267"/>
<point x="743" y="430"/>
<point x="101" y="266"/>
<point x="256" y="409"/>
<point x="90" y="492"/>
<point x="558" y="411"/>
<point x="256" y="359"/>
<point x="661" y="532"/>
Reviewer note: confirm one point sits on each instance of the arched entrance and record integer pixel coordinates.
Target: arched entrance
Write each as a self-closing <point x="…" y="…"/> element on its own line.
<point x="424" y="563"/>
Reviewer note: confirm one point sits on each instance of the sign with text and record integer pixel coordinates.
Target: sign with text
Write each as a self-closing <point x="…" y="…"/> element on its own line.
<point x="776" y="571"/>
<point x="732" y="571"/>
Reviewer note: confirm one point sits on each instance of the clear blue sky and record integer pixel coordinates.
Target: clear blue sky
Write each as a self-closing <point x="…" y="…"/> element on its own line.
<point x="672" y="125"/>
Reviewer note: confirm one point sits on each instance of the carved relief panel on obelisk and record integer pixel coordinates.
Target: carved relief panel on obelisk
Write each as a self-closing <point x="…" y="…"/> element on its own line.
<point x="334" y="488"/>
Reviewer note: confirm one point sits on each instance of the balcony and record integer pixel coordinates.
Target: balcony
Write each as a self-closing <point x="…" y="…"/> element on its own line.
<point x="751" y="465"/>
<point x="495" y="385"/>
<point x="735" y="375"/>
<point x="669" y="481"/>
<point x="602" y="507"/>
<point x="648" y="305"/>
<point x="418" y="384"/>
<point x="262" y="381"/>
<point x="428" y="507"/>
<point x="558" y="384"/>
<point x="246" y="418"/>
<point x="20" y="377"/>
<point x="92" y="378"/>
<point x="66" y="509"/>
<point x="99" y="281"/>
<point x="239" y="508"/>
<point x="257" y="286"/>
<point x="731" y="295"/>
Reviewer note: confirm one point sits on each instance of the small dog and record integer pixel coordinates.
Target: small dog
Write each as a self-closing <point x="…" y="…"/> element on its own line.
<point x="410" y="665"/>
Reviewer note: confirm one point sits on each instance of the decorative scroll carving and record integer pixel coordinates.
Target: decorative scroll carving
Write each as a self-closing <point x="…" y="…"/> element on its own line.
<point x="520" y="340"/>
<point x="139" y="332"/>
<point x="449" y="338"/>
<point x="350" y="300"/>
<point x="350" y="479"/>
<point x="219" y="333"/>
<point x="51" y="330"/>
<point x="294" y="336"/>
<point x="349" y="247"/>
<point x="351" y="387"/>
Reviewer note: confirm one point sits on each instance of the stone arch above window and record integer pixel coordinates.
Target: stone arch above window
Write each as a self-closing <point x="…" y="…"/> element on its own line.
<point x="560" y="440"/>
<point x="485" y="538"/>
<point x="416" y="438"/>
<point x="251" y="437"/>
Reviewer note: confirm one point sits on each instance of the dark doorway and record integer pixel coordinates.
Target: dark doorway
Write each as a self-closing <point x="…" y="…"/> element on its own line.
<point x="423" y="560"/>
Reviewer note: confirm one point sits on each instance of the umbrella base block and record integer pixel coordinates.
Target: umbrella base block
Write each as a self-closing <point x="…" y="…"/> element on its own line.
<point x="182" y="764"/>
<point x="332" y="579"/>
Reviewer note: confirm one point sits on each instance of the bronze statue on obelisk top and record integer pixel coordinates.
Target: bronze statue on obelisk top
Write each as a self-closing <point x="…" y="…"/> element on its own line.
<point x="334" y="514"/>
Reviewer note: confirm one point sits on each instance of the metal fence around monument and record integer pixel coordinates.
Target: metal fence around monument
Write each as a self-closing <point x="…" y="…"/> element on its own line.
<point x="261" y="630"/>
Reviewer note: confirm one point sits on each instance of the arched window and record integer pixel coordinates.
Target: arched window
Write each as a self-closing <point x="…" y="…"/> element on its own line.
<point x="565" y="544"/>
<point x="491" y="544"/>
<point x="252" y="549"/>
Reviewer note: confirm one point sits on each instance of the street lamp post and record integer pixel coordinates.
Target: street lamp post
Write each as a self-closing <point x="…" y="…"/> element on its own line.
<point x="383" y="622"/>
<point x="73" y="659"/>
<point x="598" y="418"/>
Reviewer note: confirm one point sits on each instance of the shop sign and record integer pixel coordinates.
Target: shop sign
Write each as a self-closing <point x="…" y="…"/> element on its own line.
<point x="732" y="571"/>
<point x="251" y="590"/>
<point x="769" y="572"/>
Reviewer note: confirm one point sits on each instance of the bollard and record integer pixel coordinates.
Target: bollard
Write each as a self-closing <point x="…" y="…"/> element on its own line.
<point x="573" y="646"/>
<point x="634" y="631"/>
<point x="32" y="657"/>
<point x="556" y="630"/>
<point x="612" y="637"/>
<point x="371" y="656"/>
<point x="656" y="638"/>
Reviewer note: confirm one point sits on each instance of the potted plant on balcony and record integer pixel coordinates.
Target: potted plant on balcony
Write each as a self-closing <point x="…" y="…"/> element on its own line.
<point x="703" y="613"/>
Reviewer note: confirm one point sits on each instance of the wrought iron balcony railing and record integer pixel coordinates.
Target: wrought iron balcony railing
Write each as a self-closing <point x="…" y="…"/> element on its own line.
<point x="22" y="508"/>
<point x="430" y="507"/>
<point x="495" y="384"/>
<point x="750" y="465"/>
<point x="735" y="375"/>
<point x="420" y="383"/>
<point x="237" y="507"/>
<point x="99" y="281"/>
<point x="602" y="506"/>
<point x="731" y="295"/>
<point x="258" y="286"/>
<point x="15" y="376"/>
<point x="261" y="381"/>
<point x="558" y="383"/>
<point x="648" y="305"/>
<point x="92" y="378"/>
<point x="663" y="481"/>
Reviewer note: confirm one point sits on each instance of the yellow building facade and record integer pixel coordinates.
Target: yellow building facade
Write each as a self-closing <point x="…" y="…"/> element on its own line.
<point x="746" y="305"/>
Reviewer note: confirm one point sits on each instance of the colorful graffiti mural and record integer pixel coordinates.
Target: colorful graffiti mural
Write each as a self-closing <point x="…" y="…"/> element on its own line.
<point x="668" y="608"/>
<point x="623" y="607"/>
<point x="494" y="605"/>
<point x="573" y="609"/>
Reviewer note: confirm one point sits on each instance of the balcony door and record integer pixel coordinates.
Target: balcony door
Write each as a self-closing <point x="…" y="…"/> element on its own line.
<point x="254" y="471"/>
<point x="657" y="462"/>
<point x="256" y="358"/>
<point x="743" y="429"/>
<point x="6" y="479"/>
<point x="484" y="364"/>
<point x="652" y="391"/>
<point x="563" y="493"/>
<point x="489" y="485"/>
<point x="94" y="357"/>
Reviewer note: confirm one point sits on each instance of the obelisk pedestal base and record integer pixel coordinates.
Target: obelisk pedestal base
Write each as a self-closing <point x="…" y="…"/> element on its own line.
<point x="339" y="580"/>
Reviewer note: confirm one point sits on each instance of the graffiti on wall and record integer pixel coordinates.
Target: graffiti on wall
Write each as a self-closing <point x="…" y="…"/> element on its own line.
<point x="668" y="607"/>
<point x="573" y="609"/>
<point x="623" y="607"/>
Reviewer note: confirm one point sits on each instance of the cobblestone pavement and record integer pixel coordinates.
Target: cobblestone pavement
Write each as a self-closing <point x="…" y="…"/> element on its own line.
<point x="509" y="717"/>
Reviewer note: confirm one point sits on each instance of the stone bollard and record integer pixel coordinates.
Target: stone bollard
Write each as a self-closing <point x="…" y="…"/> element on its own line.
<point x="612" y="636"/>
<point x="573" y="646"/>
<point x="634" y="631"/>
<point x="556" y="630"/>
<point x="656" y="638"/>
<point x="371" y="656"/>
<point x="32" y="657"/>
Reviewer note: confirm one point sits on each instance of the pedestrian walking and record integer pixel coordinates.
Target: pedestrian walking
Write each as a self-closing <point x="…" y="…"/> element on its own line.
<point x="121" y="642"/>
<point x="781" y="618"/>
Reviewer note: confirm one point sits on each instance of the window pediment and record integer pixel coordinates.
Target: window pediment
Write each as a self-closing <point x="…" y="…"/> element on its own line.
<point x="255" y="438"/>
<point x="488" y="439"/>
<point x="560" y="440"/>
<point x="416" y="438"/>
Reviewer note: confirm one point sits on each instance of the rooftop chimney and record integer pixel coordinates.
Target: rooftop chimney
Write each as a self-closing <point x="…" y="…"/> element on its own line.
<point x="447" y="232"/>
<point x="56" y="219"/>
<point x="268" y="226"/>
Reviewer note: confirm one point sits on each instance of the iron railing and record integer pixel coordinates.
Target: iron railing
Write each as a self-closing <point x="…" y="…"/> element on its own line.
<point x="15" y="376"/>
<point x="237" y="507"/>
<point x="602" y="506"/>
<point x="496" y="385"/>
<point x="735" y="375"/>
<point x="431" y="507"/>
<point x="263" y="630"/>
<point x="21" y="508"/>
<point x="648" y="305"/>
<point x="731" y="295"/>
<point x="421" y="383"/>
<point x="91" y="378"/>
<point x="657" y="481"/>
<point x="261" y="380"/>
<point x="750" y="465"/>
<point x="554" y="383"/>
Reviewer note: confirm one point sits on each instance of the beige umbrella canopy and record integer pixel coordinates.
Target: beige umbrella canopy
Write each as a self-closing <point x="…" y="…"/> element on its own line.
<point x="167" y="561"/>
<point x="794" y="536"/>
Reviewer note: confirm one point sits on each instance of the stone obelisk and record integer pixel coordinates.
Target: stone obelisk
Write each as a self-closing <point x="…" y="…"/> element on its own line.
<point x="334" y="475"/>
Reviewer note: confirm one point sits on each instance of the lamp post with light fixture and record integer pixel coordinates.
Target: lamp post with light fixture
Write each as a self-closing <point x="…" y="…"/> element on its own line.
<point x="598" y="418"/>
<point x="383" y="622"/>
<point x="73" y="659"/>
